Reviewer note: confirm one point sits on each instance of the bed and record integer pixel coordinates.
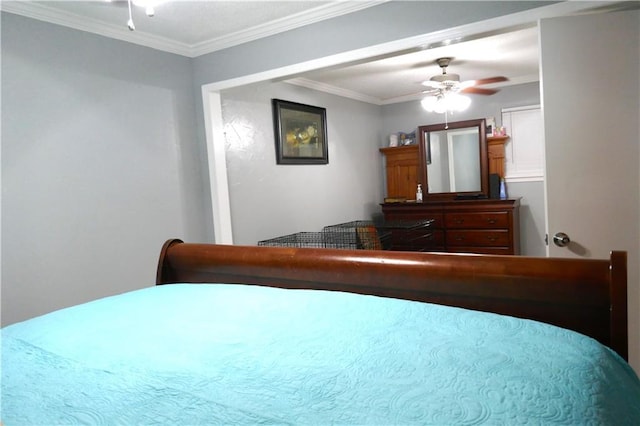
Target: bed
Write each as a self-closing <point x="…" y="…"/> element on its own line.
<point x="272" y="335"/>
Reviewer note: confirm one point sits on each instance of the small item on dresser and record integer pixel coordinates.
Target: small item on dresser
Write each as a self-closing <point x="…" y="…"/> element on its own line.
<point x="503" y="189"/>
<point x="494" y="186"/>
<point x="419" y="194"/>
<point x="500" y="131"/>
<point x="395" y="200"/>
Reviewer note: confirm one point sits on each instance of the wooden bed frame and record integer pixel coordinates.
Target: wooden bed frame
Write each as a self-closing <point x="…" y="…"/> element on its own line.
<point x="585" y="295"/>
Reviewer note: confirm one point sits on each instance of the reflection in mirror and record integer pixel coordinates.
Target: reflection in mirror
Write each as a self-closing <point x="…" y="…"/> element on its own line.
<point x="455" y="159"/>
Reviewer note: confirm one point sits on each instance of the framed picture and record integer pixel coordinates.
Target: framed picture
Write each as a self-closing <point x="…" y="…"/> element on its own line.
<point x="300" y="133"/>
<point x="406" y="138"/>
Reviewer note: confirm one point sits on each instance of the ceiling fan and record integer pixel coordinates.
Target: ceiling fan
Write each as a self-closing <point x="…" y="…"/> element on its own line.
<point x="446" y="83"/>
<point x="148" y="5"/>
<point x="445" y="92"/>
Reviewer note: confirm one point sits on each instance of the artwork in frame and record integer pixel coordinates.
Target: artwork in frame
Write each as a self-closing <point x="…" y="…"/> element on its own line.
<point x="300" y="133"/>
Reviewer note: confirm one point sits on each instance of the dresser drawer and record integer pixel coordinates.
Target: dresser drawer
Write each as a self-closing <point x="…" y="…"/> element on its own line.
<point x="437" y="218"/>
<point x="477" y="220"/>
<point x="463" y="226"/>
<point x="478" y="238"/>
<point x="417" y="241"/>
<point x="505" y="251"/>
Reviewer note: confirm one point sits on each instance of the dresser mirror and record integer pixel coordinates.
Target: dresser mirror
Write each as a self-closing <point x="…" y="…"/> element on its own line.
<point x="454" y="159"/>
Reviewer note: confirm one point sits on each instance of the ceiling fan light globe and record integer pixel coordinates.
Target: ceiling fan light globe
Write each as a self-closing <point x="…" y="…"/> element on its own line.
<point x="430" y="103"/>
<point x="443" y="103"/>
<point x="456" y="102"/>
<point x="440" y="108"/>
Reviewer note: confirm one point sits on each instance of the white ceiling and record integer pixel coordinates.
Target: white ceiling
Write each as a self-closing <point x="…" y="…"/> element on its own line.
<point x="193" y="28"/>
<point x="399" y="78"/>
<point x="189" y="28"/>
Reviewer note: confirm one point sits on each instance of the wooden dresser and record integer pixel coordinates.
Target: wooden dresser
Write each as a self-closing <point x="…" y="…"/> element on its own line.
<point x="403" y="171"/>
<point x="484" y="226"/>
<point x="495" y="151"/>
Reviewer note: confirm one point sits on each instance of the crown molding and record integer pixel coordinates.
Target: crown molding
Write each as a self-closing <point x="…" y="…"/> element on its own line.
<point x="334" y="90"/>
<point x="321" y="13"/>
<point x="350" y="94"/>
<point x="45" y="13"/>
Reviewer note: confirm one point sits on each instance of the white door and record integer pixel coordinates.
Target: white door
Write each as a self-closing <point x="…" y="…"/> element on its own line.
<point x="590" y="95"/>
<point x="591" y="111"/>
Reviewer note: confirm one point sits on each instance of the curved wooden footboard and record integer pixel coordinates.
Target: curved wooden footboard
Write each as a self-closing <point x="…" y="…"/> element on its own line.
<point x="585" y="295"/>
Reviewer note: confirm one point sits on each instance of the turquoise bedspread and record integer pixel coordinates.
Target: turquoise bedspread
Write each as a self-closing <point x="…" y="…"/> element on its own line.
<point x="232" y="354"/>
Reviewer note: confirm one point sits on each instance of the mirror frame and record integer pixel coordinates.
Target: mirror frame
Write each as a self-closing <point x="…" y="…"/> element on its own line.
<point x="484" y="158"/>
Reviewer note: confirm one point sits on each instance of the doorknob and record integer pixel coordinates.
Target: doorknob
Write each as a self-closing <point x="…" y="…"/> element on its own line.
<point x="561" y="239"/>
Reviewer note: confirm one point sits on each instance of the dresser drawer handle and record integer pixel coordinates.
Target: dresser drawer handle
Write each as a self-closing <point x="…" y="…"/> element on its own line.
<point x="428" y="237"/>
<point x="459" y="221"/>
<point x="459" y="238"/>
<point x="492" y="239"/>
<point x="491" y="221"/>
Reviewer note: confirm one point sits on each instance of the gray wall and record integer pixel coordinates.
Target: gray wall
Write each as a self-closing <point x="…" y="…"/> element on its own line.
<point x="269" y="200"/>
<point x="99" y="165"/>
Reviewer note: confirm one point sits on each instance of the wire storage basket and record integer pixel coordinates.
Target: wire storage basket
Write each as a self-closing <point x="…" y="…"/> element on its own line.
<point x="355" y="235"/>
<point x="363" y="234"/>
<point x="379" y="234"/>
<point x="337" y="239"/>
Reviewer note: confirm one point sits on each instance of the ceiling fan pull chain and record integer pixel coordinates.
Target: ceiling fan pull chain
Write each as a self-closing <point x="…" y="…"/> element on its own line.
<point x="130" y="21"/>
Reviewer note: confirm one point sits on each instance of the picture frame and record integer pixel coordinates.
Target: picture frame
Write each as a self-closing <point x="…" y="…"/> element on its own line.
<point x="300" y="133"/>
<point x="405" y="139"/>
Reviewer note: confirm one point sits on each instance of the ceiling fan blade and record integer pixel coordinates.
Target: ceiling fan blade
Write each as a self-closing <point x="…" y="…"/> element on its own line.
<point x="118" y="3"/>
<point x="490" y="80"/>
<point x="432" y="84"/>
<point x="431" y="92"/>
<point x="478" y="91"/>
